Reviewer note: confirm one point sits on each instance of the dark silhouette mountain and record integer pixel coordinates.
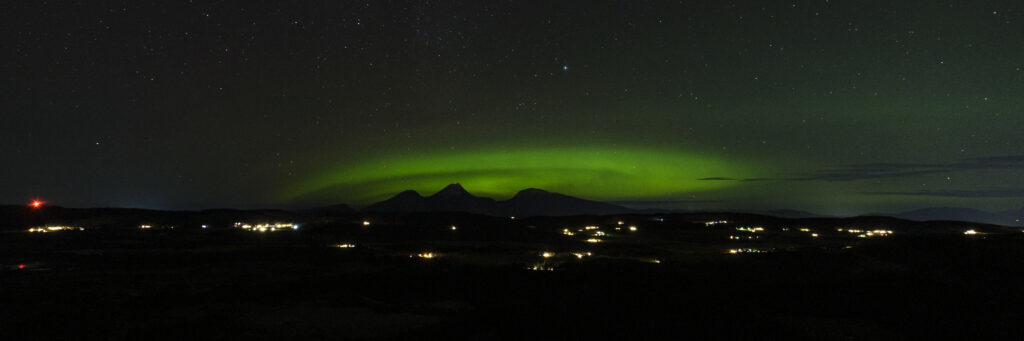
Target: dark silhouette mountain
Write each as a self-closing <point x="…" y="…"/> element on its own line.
<point x="526" y="203"/>
<point x="452" y="198"/>
<point x="406" y="201"/>
<point x="1006" y="218"/>
<point x="454" y="190"/>
<point x="536" y="202"/>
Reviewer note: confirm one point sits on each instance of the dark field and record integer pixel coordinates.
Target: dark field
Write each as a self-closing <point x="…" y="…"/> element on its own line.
<point x="671" y="278"/>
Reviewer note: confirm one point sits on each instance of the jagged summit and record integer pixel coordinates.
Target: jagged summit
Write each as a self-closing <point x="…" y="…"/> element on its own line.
<point x="452" y="190"/>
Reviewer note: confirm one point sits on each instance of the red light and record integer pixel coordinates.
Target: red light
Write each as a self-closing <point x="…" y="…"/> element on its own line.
<point x="21" y="266"/>
<point x="36" y="204"/>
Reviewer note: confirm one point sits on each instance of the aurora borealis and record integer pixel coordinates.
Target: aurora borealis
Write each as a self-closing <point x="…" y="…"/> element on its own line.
<point x="835" y="107"/>
<point x="620" y="173"/>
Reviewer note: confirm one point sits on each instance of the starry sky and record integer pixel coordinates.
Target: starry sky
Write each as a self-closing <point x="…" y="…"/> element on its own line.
<point x="838" y="107"/>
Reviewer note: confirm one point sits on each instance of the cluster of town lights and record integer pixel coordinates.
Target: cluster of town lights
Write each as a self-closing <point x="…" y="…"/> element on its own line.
<point x="54" y="229"/>
<point x="868" y="234"/>
<point x="745" y="250"/>
<point x="541" y="267"/>
<point x="595" y="231"/>
<point x="267" y="227"/>
<point x="578" y="255"/>
<point x="750" y="229"/>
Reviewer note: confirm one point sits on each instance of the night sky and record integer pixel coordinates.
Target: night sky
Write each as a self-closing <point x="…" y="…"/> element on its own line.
<point x="839" y="107"/>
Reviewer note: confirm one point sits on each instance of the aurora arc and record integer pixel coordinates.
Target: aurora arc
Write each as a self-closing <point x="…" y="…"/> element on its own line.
<point x="598" y="173"/>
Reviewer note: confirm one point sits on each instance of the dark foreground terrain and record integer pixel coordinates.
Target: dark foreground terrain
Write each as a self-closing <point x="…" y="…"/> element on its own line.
<point x="415" y="277"/>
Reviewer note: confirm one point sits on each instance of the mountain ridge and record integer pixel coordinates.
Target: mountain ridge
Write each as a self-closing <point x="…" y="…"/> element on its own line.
<point x="1005" y="218"/>
<point x="525" y="203"/>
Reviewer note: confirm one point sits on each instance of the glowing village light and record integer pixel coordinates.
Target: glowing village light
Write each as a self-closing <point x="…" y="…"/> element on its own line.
<point x="265" y="227"/>
<point x="366" y="223"/>
<point x="47" y="229"/>
<point x="540" y="267"/>
<point x="580" y="255"/>
<point x="546" y="254"/>
<point x="970" y="232"/>
<point x="745" y="250"/>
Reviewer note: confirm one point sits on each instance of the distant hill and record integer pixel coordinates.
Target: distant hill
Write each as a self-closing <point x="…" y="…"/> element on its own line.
<point x="18" y="217"/>
<point x="795" y="214"/>
<point x="1017" y="216"/>
<point x="339" y="209"/>
<point x="1006" y="218"/>
<point x="527" y="203"/>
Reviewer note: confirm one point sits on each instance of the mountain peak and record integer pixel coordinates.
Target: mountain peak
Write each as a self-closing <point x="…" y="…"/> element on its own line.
<point x="454" y="189"/>
<point x="530" y="192"/>
<point x="409" y="193"/>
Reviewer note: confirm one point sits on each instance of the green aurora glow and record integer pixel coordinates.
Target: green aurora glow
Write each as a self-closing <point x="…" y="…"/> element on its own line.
<point x="591" y="172"/>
